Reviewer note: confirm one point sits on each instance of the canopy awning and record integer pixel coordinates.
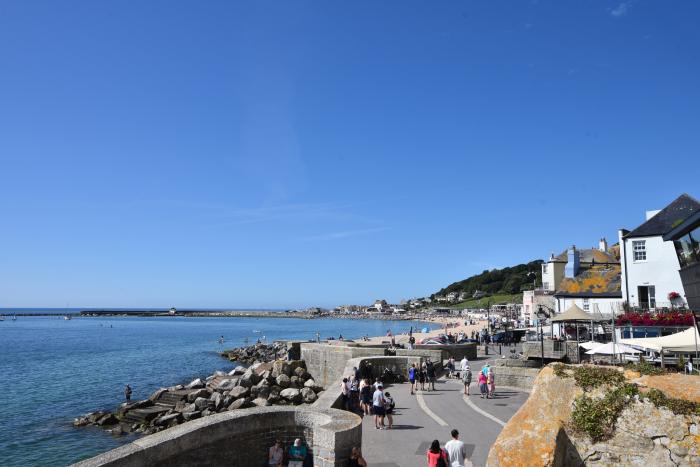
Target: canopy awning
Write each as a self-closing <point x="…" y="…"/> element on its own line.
<point x="574" y="313"/>
<point x="678" y="342"/>
<point x="589" y="345"/>
<point x="611" y="348"/>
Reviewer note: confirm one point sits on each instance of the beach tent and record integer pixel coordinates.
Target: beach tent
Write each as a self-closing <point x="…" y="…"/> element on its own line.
<point x="612" y="349"/>
<point x="574" y="313"/>
<point x="683" y="341"/>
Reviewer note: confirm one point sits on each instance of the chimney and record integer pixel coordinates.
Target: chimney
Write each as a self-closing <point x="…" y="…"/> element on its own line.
<point x="572" y="265"/>
<point x="603" y="245"/>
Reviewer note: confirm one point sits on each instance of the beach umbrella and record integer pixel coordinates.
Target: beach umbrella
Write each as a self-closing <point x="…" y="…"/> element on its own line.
<point x="612" y="349"/>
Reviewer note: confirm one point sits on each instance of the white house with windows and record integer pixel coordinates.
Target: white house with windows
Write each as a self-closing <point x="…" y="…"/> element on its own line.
<point x="650" y="265"/>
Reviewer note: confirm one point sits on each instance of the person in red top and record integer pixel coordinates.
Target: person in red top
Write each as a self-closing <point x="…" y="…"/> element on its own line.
<point x="436" y="454"/>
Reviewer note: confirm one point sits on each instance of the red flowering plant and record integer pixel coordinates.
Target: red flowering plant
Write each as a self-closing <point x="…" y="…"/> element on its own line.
<point x="673" y="296"/>
<point x="669" y="318"/>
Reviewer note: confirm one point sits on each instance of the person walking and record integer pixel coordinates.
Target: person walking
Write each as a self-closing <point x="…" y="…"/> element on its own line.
<point x="431" y="374"/>
<point x="354" y="393"/>
<point x="412" y="376"/>
<point x="482" y="384"/>
<point x="436" y="456"/>
<point x="127" y="393"/>
<point x="297" y="454"/>
<point x="422" y="375"/>
<point x="450" y="367"/>
<point x="456" y="452"/>
<point x="378" y="403"/>
<point x="275" y="455"/>
<point x="365" y="396"/>
<point x="389" y="405"/>
<point x="466" y="379"/>
<point x="491" y="382"/>
<point x="464" y="363"/>
<point x="345" y="393"/>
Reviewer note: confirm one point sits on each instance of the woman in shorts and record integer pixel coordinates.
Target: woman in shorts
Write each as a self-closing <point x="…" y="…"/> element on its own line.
<point x="365" y="396"/>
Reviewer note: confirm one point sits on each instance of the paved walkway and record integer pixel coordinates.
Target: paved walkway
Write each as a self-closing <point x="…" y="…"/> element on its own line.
<point x="430" y="415"/>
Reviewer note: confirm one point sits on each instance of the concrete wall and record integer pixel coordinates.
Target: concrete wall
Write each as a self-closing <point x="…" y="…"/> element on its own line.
<point x="241" y="438"/>
<point x="326" y="362"/>
<point x="516" y="374"/>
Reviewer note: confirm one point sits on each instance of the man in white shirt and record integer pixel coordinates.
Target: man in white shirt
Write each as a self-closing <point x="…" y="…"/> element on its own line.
<point x="456" y="450"/>
<point x="464" y="364"/>
<point x="378" y="403"/>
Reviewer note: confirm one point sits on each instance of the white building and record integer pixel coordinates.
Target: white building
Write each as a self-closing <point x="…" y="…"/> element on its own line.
<point x="650" y="265"/>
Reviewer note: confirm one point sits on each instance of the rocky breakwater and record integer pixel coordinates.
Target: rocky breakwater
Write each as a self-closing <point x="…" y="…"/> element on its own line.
<point x="256" y="353"/>
<point x="588" y="415"/>
<point x="262" y="384"/>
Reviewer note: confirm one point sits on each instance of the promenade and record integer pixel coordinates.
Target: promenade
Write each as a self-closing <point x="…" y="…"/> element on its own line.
<point x="430" y="415"/>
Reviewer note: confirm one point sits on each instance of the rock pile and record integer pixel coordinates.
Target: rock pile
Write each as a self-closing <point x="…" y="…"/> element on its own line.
<point x="262" y="384"/>
<point x="256" y="353"/>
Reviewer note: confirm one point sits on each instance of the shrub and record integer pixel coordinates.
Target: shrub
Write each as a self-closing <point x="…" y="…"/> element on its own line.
<point x="677" y="406"/>
<point x="589" y="377"/>
<point x="645" y="368"/>
<point x="597" y="417"/>
<point x="560" y="370"/>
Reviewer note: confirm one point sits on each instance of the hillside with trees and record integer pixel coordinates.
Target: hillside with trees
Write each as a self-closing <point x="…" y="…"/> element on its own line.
<point x="511" y="280"/>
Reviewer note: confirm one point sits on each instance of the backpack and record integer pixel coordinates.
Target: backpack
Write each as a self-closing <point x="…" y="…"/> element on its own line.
<point x="441" y="460"/>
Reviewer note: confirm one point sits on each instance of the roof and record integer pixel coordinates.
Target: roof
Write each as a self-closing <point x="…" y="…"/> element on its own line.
<point x="589" y="255"/>
<point x="596" y="281"/>
<point x="574" y="313"/>
<point x="684" y="227"/>
<point x="668" y="218"/>
<point x="678" y="341"/>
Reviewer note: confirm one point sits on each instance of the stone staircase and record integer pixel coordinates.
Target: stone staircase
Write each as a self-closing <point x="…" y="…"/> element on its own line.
<point x="165" y="402"/>
<point x="218" y="380"/>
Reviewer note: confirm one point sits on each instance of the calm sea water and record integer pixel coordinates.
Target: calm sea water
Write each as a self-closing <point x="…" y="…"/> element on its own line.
<point x="53" y="370"/>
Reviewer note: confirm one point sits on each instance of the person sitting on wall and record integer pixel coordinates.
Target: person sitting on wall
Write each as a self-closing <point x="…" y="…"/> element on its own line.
<point x="297" y="454"/>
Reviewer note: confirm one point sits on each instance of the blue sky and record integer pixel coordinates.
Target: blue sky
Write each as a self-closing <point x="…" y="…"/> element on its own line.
<point x="283" y="154"/>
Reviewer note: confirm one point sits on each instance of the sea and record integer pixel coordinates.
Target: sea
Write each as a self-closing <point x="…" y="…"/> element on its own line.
<point x="53" y="370"/>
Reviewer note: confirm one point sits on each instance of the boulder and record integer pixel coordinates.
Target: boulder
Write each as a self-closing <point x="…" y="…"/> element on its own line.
<point x="274" y="398"/>
<point x="195" y="384"/>
<point x="81" y="421"/>
<point x="239" y="391"/>
<point x="156" y="395"/>
<point x="206" y="412"/>
<point x="280" y="367"/>
<point x="227" y="384"/>
<point x="311" y="384"/>
<point x="187" y="416"/>
<point x="191" y="397"/>
<point x="294" y="382"/>
<point x="108" y="419"/>
<point x="126" y="406"/>
<point x="201" y="403"/>
<point x="186" y="408"/>
<point x="291" y="395"/>
<point x="219" y="373"/>
<point x="239" y="370"/>
<point x="308" y="395"/>
<point x="283" y="381"/>
<point x="249" y="378"/>
<point x="167" y="420"/>
<point x="217" y="400"/>
<point x="299" y="372"/>
<point x="264" y="391"/>
<point x="260" y="402"/>
<point x="254" y="391"/>
<point x="227" y="400"/>
<point x="239" y="404"/>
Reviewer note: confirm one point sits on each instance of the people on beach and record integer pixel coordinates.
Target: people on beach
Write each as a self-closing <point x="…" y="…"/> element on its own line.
<point x="378" y="403"/>
<point x="482" y="384"/>
<point x="365" y="396"/>
<point x="297" y="454"/>
<point x="127" y="393"/>
<point x="456" y="452"/>
<point x="275" y="455"/>
<point x="436" y="454"/>
<point x="412" y="376"/>
<point x="466" y="379"/>
<point x="356" y="459"/>
<point x="389" y="405"/>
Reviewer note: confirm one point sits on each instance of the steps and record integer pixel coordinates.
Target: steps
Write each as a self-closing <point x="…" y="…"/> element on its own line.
<point x="145" y="415"/>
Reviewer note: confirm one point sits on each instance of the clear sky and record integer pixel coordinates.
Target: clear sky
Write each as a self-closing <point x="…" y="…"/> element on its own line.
<point x="294" y="153"/>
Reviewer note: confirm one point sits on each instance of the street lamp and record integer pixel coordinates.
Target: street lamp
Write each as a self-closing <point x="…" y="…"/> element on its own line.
<point x="541" y="314"/>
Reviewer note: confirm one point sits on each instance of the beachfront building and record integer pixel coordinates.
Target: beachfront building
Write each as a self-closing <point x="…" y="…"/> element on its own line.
<point x="686" y="240"/>
<point x="534" y="300"/>
<point x="649" y="264"/>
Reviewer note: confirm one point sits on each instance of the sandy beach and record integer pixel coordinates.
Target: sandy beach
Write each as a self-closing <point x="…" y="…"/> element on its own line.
<point x="455" y="325"/>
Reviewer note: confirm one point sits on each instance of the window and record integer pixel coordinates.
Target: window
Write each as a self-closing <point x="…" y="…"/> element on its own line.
<point x="586" y="305"/>
<point x="545" y="285"/>
<point x="544" y="268"/>
<point x="640" y="250"/>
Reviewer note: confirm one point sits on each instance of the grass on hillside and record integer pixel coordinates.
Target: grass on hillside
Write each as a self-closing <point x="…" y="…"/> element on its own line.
<point x="484" y="302"/>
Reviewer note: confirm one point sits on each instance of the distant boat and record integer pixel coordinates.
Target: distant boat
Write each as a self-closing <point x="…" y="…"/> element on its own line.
<point x="68" y="317"/>
<point x="14" y="317"/>
<point x="256" y="331"/>
<point x="172" y="311"/>
<point x="2" y="318"/>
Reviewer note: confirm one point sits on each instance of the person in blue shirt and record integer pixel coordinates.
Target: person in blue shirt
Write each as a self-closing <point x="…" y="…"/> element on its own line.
<point x="297" y="454"/>
<point x="412" y="376"/>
